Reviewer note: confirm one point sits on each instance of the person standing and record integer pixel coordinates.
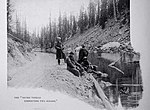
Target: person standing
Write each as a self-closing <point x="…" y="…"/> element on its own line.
<point x="63" y="54"/>
<point x="82" y="53"/>
<point x="58" y="48"/>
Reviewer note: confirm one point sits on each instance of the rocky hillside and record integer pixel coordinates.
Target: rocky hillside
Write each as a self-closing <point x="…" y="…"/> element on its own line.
<point x="17" y="54"/>
<point x="114" y="31"/>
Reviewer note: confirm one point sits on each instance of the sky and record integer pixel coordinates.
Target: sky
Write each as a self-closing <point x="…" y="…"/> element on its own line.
<point x="37" y="12"/>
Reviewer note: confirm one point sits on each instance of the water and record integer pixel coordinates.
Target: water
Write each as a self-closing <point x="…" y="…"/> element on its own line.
<point x="127" y="87"/>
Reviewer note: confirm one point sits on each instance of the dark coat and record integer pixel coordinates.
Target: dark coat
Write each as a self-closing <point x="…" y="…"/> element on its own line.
<point x="85" y="64"/>
<point x="74" y="67"/>
<point x="82" y="53"/>
<point x="71" y="63"/>
<point x="58" y="48"/>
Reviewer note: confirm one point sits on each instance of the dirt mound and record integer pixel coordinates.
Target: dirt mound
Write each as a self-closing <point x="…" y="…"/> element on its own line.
<point x="62" y="80"/>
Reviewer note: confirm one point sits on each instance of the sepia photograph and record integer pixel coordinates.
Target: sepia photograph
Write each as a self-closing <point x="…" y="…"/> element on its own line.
<point x="78" y="51"/>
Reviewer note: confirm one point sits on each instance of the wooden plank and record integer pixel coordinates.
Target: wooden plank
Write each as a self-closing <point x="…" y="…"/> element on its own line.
<point x="101" y="95"/>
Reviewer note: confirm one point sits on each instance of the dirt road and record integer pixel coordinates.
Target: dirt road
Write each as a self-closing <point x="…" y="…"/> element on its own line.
<point x="44" y="72"/>
<point x="31" y="74"/>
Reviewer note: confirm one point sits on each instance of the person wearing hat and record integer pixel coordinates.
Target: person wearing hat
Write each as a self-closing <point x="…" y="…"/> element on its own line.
<point x="82" y="53"/>
<point x="88" y="67"/>
<point x="58" y="47"/>
<point x="73" y="66"/>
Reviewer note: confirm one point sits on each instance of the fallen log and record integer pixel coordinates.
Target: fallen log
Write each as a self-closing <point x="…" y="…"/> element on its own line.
<point x="101" y="95"/>
<point x="15" y="38"/>
<point x="113" y="63"/>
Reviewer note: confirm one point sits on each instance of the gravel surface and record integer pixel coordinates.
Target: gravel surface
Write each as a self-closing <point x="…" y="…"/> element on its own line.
<point x="43" y="72"/>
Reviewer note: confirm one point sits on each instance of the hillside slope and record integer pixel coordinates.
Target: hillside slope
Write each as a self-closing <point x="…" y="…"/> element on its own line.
<point x="95" y="37"/>
<point x="18" y="54"/>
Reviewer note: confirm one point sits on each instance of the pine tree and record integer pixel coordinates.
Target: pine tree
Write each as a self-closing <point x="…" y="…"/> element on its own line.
<point x="85" y="20"/>
<point x="103" y="18"/>
<point x="70" y="24"/>
<point x="18" y="28"/>
<point x="81" y="20"/>
<point x="9" y="16"/>
<point x="60" y="25"/>
<point x="110" y="9"/>
<point x="123" y="4"/>
<point x="74" y="27"/>
<point x="42" y="39"/>
<point x="98" y="13"/>
<point x="54" y="34"/>
<point x="115" y="12"/>
<point x="50" y="32"/>
<point x="25" y="32"/>
<point x="65" y="29"/>
<point x="91" y="11"/>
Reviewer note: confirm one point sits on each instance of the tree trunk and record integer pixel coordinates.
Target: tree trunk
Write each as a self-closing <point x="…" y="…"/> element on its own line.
<point x="115" y="14"/>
